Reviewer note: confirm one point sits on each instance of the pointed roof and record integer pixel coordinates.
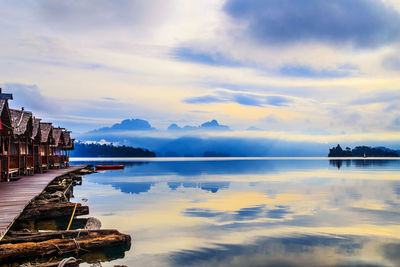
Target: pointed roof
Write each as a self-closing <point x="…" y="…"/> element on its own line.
<point x="45" y="129"/>
<point x="36" y="127"/>
<point x="57" y="135"/>
<point x="66" y="136"/>
<point x="20" y="120"/>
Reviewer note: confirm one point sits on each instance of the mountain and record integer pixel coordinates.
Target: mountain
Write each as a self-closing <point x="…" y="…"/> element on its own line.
<point x="127" y="125"/>
<point x="209" y="126"/>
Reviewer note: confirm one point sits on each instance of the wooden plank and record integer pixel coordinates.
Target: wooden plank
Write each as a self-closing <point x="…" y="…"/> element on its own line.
<point x="15" y="196"/>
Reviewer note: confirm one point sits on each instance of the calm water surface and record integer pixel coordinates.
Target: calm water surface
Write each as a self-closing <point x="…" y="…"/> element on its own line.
<point x="251" y="212"/>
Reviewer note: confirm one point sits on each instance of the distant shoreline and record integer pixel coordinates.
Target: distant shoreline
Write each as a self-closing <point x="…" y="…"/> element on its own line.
<point x="76" y="159"/>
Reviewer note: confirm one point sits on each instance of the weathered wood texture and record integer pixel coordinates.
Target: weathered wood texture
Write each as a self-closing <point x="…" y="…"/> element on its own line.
<point x="15" y="196"/>
<point x="92" y="240"/>
<point x="50" y="211"/>
<point x="23" y="237"/>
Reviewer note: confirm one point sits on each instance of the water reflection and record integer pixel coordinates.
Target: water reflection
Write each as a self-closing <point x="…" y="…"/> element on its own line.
<point x="362" y="163"/>
<point x="244" y="213"/>
<point x="302" y="250"/>
<point x="132" y="188"/>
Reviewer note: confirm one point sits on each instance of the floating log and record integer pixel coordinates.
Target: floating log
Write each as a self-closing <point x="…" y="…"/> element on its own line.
<point x="93" y="240"/>
<point x="23" y="237"/>
<point x="57" y="224"/>
<point x="49" y="211"/>
<point x="53" y="188"/>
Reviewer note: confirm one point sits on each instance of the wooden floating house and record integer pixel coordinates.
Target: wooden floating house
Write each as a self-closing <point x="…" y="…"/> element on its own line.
<point x="21" y="156"/>
<point x="27" y="145"/>
<point x="68" y="145"/>
<point x="6" y="133"/>
<point x="56" y="147"/>
<point x="37" y="139"/>
<point x="45" y="141"/>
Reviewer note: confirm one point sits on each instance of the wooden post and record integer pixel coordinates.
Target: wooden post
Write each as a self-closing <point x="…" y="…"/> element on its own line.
<point x="40" y="156"/>
<point x="26" y="155"/>
<point x="33" y="157"/>
<point x="8" y="159"/>
<point x="19" y="158"/>
<point x="47" y="155"/>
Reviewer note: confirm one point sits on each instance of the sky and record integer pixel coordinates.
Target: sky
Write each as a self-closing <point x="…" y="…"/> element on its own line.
<point x="301" y="69"/>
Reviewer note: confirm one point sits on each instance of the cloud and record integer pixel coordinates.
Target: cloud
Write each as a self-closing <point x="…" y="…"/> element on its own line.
<point x="362" y="23"/>
<point x="396" y="122"/>
<point x="379" y="97"/>
<point x="391" y="63"/>
<point x="306" y="71"/>
<point x="30" y="97"/>
<point x="242" y="98"/>
<point x="192" y="55"/>
<point x="204" y="99"/>
<point x="100" y="15"/>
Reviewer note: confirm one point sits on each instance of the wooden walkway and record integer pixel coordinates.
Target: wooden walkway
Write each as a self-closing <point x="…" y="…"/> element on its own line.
<point x="15" y="196"/>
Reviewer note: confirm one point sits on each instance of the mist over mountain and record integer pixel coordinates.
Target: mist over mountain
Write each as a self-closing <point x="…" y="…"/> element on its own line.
<point x="209" y="126"/>
<point x="196" y="146"/>
<point x="211" y="138"/>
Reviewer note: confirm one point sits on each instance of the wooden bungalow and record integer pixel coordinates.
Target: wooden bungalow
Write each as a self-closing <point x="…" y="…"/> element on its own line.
<point x="46" y="136"/>
<point x="56" y="147"/>
<point x="21" y="152"/>
<point x="67" y="146"/>
<point x="36" y="144"/>
<point x="5" y="135"/>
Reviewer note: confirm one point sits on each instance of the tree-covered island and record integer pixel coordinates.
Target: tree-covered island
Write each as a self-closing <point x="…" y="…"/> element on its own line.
<point x="362" y="151"/>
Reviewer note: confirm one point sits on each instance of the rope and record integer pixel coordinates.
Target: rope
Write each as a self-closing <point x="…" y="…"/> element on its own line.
<point x="65" y="261"/>
<point x="72" y="217"/>
<point x="78" y="247"/>
<point x="59" y="250"/>
<point x="66" y="190"/>
<point x="77" y="244"/>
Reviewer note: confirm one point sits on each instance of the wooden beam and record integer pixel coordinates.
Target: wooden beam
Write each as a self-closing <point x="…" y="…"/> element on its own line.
<point x="19" y="158"/>
<point x="8" y="158"/>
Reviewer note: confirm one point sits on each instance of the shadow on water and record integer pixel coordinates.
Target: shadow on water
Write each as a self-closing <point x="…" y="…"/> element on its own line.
<point x="360" y="163"/>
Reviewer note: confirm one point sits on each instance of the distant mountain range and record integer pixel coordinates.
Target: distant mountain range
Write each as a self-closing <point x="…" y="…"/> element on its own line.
<point x="189" y="141"/>
<point x="209" y="125"/>
<point x="143" y="125"/>
<point x="127" y="125"/>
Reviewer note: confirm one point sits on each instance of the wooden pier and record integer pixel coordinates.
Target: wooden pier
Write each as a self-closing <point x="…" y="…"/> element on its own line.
<point x="15" y="196"/>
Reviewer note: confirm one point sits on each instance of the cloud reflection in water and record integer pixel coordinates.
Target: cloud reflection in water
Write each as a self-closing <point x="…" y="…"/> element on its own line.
<point x="264" y="213"/>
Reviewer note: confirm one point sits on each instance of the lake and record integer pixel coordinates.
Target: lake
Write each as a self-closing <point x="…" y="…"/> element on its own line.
<point x="249" y="212"/>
